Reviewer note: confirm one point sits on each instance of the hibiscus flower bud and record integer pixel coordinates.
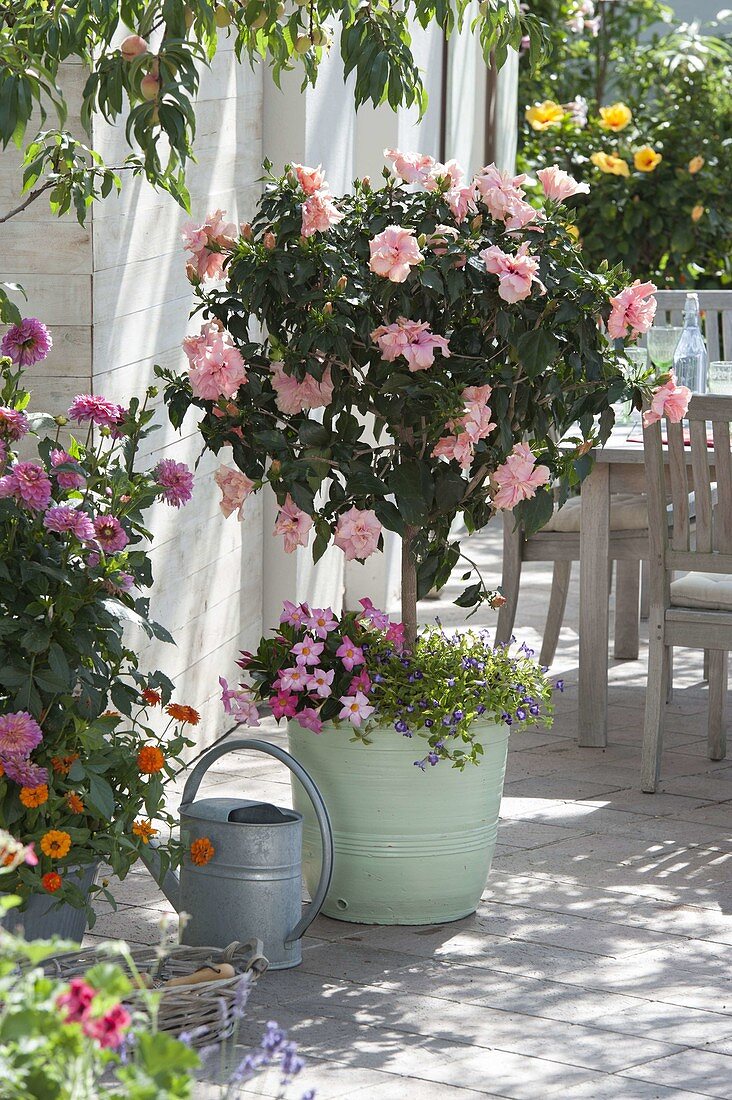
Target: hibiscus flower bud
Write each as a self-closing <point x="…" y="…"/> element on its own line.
<point x="274" y="469"/>
<point x="476" y="222"/>
<point x="584" y="447"/>
<point x="192" y="275"/>
<point x="342" y="283"/>
<point x="246" y="231"/>
<point x="269" y="240"/>
<point x="328" y="308"/>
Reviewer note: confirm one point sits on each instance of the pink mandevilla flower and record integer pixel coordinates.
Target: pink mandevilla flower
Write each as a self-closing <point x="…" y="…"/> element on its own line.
<point x="235" y="488"/>
<point x="518" y="477"/>
<point x="19" y="734"/>
<point x="13" y="423"/>
<point x="356" y="708"/>
<point x="27" y="343"/>
<point x="322" y="621"/>
<point x="293" y="396"/>
<point x="307" y="652"/>
<point x="633" y="310"/>
<point x="411" y="339"/>
<point x="294" y="678"/>
<point x="394" y="252"/>
<point x="378" y="619"/>
<point x="88" y="408"/>
<point x="309" y="719"/>
<point x="295" y="614"/>
<point x="176" y="481"/>
<point x="516" y="273"/>
<point x="357" y="533"/>
<point x="67" y="479"/>
<point x="216" y="366"/>
<point x="320" y="682"/>
<point x="350" y="654"/>
<point x="63" y="518"/>
<point x="670" y="400"/>
<point x="362" y="682"/>
<point x="238" y="702"/>
<point x="207" y="244"/>
<point x="110" y="534"/>
<point x="559" y="185"/>
<point x="284" y="704"/>
<point x="319" y="213"/>
<point x="293" y="524"/>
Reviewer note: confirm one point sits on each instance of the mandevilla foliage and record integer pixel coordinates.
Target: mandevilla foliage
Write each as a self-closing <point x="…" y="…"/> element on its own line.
<point x="358" y="419"/>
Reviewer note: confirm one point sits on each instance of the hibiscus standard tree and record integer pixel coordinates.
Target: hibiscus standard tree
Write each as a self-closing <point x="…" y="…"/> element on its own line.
<point x="404" y="355"/>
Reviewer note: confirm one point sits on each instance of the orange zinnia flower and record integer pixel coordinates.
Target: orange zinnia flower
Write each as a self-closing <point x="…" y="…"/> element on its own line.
<point x="182" y="713"/>
<point x="74" y="803"/>
<point x="150" y="759"/>
<point x="34" y="796"/>
<point x="202" y="851"/>
<point x="62" y="764"/>
<point x="144" y="830"/>
<point x="152" y="697"/>
<point x="51" y="882"/>
<point x="55" y="843"/>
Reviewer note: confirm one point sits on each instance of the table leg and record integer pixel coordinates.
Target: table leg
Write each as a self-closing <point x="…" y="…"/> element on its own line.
<point x="593" y="615"/>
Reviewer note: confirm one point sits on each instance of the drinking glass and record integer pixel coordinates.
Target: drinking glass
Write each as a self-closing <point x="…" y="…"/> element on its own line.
<point x="719" y="378"/>
<point x="662" y="345"/>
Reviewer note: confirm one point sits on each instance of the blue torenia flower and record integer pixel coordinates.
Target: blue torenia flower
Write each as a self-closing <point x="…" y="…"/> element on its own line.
<point x="429" y="722"/>
<point x="402" y="727"/>
<point x="521" y="714"/>
<point x="559" y="685"/>
<point x="420" y="764"/>
<point x="480" y="709"/>
<point x="433" y="758"/>
<point x="534" y="710"/>
<point x="506" y="717"/>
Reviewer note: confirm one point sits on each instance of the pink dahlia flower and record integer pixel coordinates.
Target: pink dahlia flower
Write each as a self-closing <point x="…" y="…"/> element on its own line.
<point x="559" y="185"/>
<point x="109" y="533"/>
<point x="669" y="400"/>
<point x="23" y="771"/>
<point x="19" y="734"/>
<point x="29" y="484"/>
<point x="394" y="252"/>
<point x="310" y="179"/>
<point x="294" y="397"/>
<point x="518" y="478"/>
<point x="409" y="167"/>
<point x="293" y="524"/>
<point x="67" y="479"/>
<point x="411" y="339"/>
<point x="357" y="533"/>
<point x="235" y="488"/>
<point x="633" y="310"/>
<point x="13" y="423"/>
<point x="516" y="273"/>
<point x="89" y="408"/>
<point x="207" y="244"/>
<point x="27" y="343"/>
<point x="216" y="367"/>
<point x="319" y="213"/>
<point x="64" y="518"/>
<point x="176" y="481"/>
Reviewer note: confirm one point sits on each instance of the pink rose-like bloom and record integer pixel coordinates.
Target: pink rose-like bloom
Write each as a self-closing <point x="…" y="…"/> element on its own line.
<point x="294" y="678"/>
<point x="475" y="424"/>
<point x="670" y="400"/>
<point x="307" y="652"/>
<point x="294" y="614"/>
<point x="322" y="621"/>
<point x="410" y="167"/>
<point x="235" y="488"/>
<point x="455" y="447"/>
<point x="13" y="423"/>
<point x="378" y="619"/>
<point x="394" y="253"/>
<point x="319" y="213"/>
<point x="516" y="273"/>
<point x="76" y="1001"/>
<point x="362" y="682"/>
<point x="411" y="339"/>
<point x="294" y="397"/>
<point x="320" y="682"/>
<point x="518" y="478"/>
<point x="110" y="534"/>
<point x="310" y="179"/>
<point x="29" y="484"/>
<point x="633" y="311"/>
<point x="26" y="343"/>
<point x="357" y="533"/>
<point x="448" y="176"/>
<point x="349" y="653"/>
<point x="176" y="481"/>
<point x="216" y="367"/>
<point x="355" y="708"/>
<point x="19" y="734"/>
<point x="67" y="479"/>
<point x="89" y="408"/>
<point x="559" y="185"/>
<point x="500" y="191"/>
<point x="284" y="704"/>
<point x="293" y="524"/>
<point x="238" y="702"/>
<point x="64" y="517"/>
<point x="22" y="771"/>
<point x="309" y="719"/>
<point x="108" y="1030"/>
<point x="462" y="201"/>
<point x="208" y="261"/>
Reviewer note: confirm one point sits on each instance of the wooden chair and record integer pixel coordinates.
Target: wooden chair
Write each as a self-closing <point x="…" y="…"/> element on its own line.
<point x="696" y="609"/>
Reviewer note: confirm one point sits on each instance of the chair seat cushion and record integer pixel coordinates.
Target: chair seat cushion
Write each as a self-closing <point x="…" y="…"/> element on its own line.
<point x="710" y="591"/>
<point x="628" y="512"/>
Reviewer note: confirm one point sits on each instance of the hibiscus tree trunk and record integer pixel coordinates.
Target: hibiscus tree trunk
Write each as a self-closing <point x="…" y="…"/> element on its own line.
<point x="409" y="587"/>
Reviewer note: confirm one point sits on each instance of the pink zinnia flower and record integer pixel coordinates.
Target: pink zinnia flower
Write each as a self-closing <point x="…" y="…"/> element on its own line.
<point x="110" y="534"/>
<point x="295" y="614"/>
<point x="108" y="1030"/>
<point x="206" y="242"/>
<point x="410" y="167"/>
<point x="518" y="478"/>
<point x="559" y="185"/>
<point x="216" y="367"/>
<point x="22" y="771"/>
<point x="379" y="619"/>
<point x="28" y="483"/>
<point x="293" y="524"/>
<point x="310" y="179"/>
<point x="294" y="678"/>
<point x="322" y="621"/>
<point x="77" y="1000"/>
<point x="13" y="423"/>
<point x="357" y="533"/>
<point x="411" y="339"/>
<point x="320" y="682"/>
<point x="19" y="733"/>
<point x="319" y="213"/>
<point x="176" y="481"/>
<point x="307" y="652"/>
<point x="394" y="252"/>
<point x="294" y="397"/>
<point x="67" y="479"/>
<point x="309" y="719"/>
<point x="284" y="704"/>
<point x="235" y="488"/>
<point x="27" y="343"/>
<point x="633" y="311"/>
<point x="670" y="400"/>
<point x="349" y="653"/>
<point x="239" y="703"/>
<point x="516" y="273"/>
<point x="355" y="708"/>
<point x="64" y="517"/>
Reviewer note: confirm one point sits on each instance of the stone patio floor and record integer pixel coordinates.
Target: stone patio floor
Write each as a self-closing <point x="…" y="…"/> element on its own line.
<point x="598" y="964"/>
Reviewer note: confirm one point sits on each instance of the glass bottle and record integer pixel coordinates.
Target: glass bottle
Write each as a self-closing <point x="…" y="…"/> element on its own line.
<point x="690" y="357"/>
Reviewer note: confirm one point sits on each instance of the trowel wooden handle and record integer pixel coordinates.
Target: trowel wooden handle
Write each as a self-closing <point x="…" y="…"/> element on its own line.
<point x="205" y="974"/>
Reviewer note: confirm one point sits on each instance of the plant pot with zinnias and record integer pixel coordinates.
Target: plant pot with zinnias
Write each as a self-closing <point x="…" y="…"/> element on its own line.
<point x="397" y="358"/>
<point x="83" y="766"/>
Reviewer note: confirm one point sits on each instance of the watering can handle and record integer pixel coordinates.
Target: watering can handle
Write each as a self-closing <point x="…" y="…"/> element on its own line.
<point x="326" y="873"/>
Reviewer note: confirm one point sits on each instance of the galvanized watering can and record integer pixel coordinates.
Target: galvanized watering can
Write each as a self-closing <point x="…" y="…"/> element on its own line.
<point x="252" y="885"/>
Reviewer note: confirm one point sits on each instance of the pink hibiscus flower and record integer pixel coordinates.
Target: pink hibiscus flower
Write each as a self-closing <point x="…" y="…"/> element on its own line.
<point x="633" y="310"/>
<point x="216" y="367"/>
<point x="410" y="167"/>
<point x="518" y="478"/>
<point x="319" y="213"/>
<point x="310" y="179"/>
<point x="357" y="533"/>
<point x="294" y="397"/>
<point x="411" y="339"/>
<point x="394" y="252"/>
<point x="516" y="273"/>
<point x="208" y="243"/>
<point x="559" y="185"/>
<point x="670" y="400"/>
<point x="444" y="177"/>
<point x="235" y="488"/>
<point x="293" y="524"/>
<point x="462" y="201"/>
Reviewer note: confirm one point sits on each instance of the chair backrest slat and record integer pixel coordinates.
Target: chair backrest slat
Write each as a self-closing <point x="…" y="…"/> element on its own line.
<point x="723" y="478"/>
<point x="727" y="334"/>
<point x="711" y="334"/>
<point x="679" y="487"/>
<point x="702" y="486"/>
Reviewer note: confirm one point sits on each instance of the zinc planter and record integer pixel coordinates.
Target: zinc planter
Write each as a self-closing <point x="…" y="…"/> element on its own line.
<point x="43" y="917"/>
<point x="410" y="847"/>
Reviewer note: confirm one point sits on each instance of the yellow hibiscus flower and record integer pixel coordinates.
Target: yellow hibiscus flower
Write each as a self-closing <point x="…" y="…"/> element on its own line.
<point x="608" y="162"/>
<point x="646" y="159"/>
<point x="543" y="115"/>
<point x="697" y="213"/>
<point x="616" y="117"/>
<point x="695" y="165"/>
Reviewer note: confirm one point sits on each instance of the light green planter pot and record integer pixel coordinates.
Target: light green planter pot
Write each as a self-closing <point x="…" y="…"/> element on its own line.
<point x="410" y="847"/>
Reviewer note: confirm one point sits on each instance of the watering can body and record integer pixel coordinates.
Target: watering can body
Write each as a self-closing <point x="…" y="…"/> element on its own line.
<point x="251" y="886"/>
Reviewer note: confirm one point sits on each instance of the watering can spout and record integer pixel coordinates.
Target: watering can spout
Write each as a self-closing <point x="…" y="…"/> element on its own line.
<point x="166" y="879"/>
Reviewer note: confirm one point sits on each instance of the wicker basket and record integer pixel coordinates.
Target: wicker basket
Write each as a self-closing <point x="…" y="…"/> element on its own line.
<point x="206" y="1011"/>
